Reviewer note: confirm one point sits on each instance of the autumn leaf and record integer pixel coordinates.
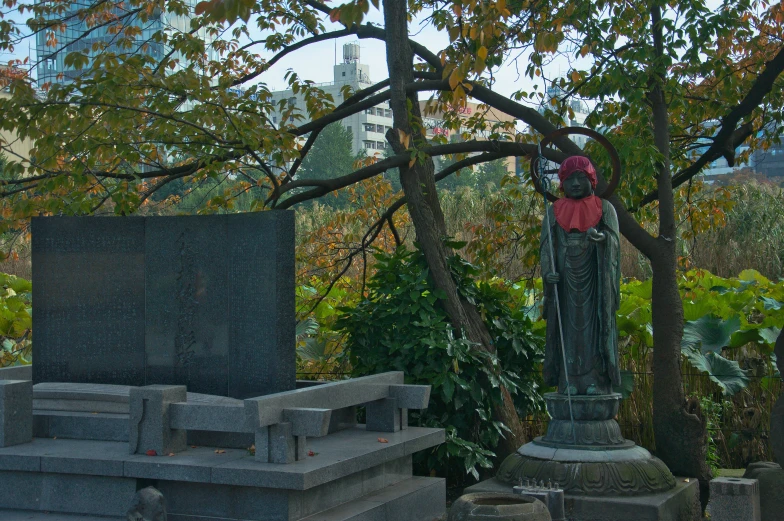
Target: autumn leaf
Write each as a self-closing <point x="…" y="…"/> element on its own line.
<point x="220" y="451"/>
<point x="405" y="139"/>
<point x="151" y="452"/>
<point x="383" y="440"/>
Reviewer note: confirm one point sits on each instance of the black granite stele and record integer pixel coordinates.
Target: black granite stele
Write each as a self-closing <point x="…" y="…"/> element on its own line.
<point x="201" y="301"/>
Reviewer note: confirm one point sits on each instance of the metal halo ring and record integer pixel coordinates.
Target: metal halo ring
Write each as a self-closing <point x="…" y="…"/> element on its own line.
<point x="565" y="131"/>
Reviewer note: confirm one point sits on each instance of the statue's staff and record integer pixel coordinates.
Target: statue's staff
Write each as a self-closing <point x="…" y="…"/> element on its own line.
<point x="545" y="181"/>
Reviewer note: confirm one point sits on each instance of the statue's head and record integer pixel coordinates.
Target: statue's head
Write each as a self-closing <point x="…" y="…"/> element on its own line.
<point x="578" y="177"/>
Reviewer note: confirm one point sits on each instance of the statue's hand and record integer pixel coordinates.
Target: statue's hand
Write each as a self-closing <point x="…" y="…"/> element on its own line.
<point x="596" y="236"/>
<point x="552" y="278"/>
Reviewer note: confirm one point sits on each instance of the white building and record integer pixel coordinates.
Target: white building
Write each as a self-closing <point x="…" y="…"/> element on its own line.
<point x="367" y="127"/>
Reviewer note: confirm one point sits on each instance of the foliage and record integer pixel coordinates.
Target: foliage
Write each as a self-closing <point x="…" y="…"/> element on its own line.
<point x="720" y="314"/>
<point x="330" y="158"/>
<point x="15" y="320"/>
<point x="401" y="326"/>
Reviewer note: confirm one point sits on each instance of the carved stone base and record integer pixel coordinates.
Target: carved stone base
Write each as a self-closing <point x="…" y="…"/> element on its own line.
<point x="593" y="459"/>
<point x="626" y="471"/>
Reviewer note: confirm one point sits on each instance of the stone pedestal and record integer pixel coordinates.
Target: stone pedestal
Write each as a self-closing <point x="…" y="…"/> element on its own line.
<point x="593" y="459"/>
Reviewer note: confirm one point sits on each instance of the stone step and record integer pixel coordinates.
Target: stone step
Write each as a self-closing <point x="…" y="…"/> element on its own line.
<point x="28" y="515"/>
<point x="414" y="499"/>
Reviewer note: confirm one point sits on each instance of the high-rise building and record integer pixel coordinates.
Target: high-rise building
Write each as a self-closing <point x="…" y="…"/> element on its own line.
<point x="75" y="34"/>
<point x="368" y="127"/>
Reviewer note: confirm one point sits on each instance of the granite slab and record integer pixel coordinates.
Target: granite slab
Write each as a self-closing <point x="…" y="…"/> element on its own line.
<point x="334" y="456"/>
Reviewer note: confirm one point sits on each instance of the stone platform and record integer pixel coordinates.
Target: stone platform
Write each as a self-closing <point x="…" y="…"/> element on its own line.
<point x="85" y="449"/>
<point x="351" y="476"/>
<point x="681" y="503"/>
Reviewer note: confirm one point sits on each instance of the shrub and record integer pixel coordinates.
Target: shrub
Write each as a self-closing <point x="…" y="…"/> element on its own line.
<point x="402" y="326"/>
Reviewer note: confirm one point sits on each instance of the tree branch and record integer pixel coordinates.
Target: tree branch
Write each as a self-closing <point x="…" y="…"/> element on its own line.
<point x="729" y="138"/>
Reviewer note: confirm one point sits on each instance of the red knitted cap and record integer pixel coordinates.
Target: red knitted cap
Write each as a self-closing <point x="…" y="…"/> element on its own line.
<point x="573" y="164"/>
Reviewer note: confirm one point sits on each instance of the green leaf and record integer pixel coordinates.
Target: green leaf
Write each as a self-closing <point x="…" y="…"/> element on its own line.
<point x="771" y="303"/>
<point x="769" y="335"/>
<point x="709" y="333"/>
<point x="627" y="384"/>
<point x="726" y="373"/>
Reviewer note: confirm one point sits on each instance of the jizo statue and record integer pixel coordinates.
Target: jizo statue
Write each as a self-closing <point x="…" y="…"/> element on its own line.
<point x="583" y="229"/>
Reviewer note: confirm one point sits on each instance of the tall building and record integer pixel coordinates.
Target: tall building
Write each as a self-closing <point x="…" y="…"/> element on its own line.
<point x="369" y="127"/>
<point x="76" y="35"/>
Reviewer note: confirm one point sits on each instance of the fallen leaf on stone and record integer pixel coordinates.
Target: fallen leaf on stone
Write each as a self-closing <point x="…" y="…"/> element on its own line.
<point x="311" y="453"/>
<point x="151" y="452"/>
<point x="383" y="440"/>
<point x="220" y="451"/>
<point x="54" y="438"/>
<point x="171" y="454"/>
<point x="193" y="446"/>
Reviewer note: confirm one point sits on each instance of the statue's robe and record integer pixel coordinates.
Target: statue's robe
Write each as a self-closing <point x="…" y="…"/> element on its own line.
<point x="589" y="291"/>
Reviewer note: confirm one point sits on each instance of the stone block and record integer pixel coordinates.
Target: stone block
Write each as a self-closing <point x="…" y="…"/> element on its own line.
<point x="226" y="440"/>
<point x="149" y="419"/>
<point x="282" y="444"/>
<point x="410" y="396"/>
<point x="207" y="417"/>
<point x="68" y="493"/>
<point x="308" y="421"/>
<point x="201" y="301"/>
<point x="206" y="502"/>
<point x="16" y="412"/>
<point x="733" y="499"/>
<point x="80" y="425"/>
<point x="17" y="372"/>
<point x="771" y="484"/>
<point x="383" y="415"/>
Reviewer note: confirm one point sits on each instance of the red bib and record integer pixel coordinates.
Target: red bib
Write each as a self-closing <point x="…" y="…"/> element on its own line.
<point x="579" y="214"/>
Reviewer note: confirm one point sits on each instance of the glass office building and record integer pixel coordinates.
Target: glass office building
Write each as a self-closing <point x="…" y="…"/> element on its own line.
<point x="75" y="34"/>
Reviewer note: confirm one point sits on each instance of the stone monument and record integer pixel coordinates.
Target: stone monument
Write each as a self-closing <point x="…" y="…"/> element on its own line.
<point x="201" y="301"/>
<point x="603" y="475"/>
<point x="164" y="358"/>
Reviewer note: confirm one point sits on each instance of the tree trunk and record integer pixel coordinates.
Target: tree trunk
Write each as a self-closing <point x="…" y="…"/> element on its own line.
<point x="678" y="426"/>
<point x="419" y="187"/>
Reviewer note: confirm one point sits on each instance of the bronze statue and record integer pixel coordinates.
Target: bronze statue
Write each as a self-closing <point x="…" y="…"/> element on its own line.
<point x="586" y="253"/>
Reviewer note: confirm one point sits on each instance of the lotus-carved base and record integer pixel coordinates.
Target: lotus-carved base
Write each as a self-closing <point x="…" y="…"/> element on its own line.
<point x="595" y="459"/>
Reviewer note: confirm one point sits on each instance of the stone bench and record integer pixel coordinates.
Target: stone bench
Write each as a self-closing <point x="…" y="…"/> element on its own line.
<point x="161" y="415"/>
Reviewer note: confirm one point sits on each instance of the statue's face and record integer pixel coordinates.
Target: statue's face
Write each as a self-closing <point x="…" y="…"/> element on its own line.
<point x="577" y="185"/>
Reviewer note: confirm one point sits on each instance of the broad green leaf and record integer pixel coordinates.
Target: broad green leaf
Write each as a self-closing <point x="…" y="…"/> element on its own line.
<point x="709" y="333"/>
<point x="727" y="373"/>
